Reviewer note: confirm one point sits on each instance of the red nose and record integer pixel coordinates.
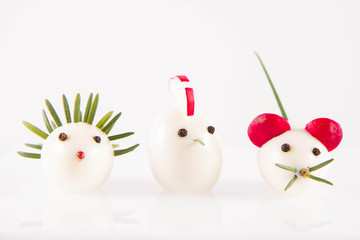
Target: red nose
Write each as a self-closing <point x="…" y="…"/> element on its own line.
<point x="80" y="155"/>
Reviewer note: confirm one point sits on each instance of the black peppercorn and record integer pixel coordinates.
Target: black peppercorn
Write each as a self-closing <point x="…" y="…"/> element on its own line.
<point x="211" y="129"/>
<point x="62" y="136"/>
<point x="182" y="132"/>
<point x="285" y="147"/>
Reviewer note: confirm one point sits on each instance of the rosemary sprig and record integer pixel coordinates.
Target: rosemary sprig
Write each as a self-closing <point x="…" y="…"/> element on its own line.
<point x="119" y="136"/>
<point x="53" y="113"/>
<point x="320" y="179"/>
<point x="123" y="151"/>
<point x="35" y="130"/>
<point x="77" y="114"/>
<point x="273" y="89"/>
<point x="110" y="125"/>
<point x="66" y="109"/>
<point x="291" y="169"/>
<point x="104" y="119"/>
<point x="93" y="109"/>
<point x="35" y="146"/>
<point x="290" y="183"/>
<point x="320" y="165"/>
<point x="30" y="155"/>
<point x="47" y="123"/>
<point x="53" y="125"/>
<point x="199" y="141"/>
<point x="88" y="107"/>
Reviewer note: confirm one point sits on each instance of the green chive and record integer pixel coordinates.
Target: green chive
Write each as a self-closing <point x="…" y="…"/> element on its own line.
<point x="93" y="109"/>
<point x="30" y="155"/>
<point x="119" y="136"/>
<point x="291" y="169"/>
<point x="35" y="146"/>
<point x="199" y="141"/>
<point x="320" y="179"/>
<point x="123" y="151"/>
<point x="273" y="89"/>
<point x="35" y="130"/>
<point x="320" y="165"/>
<point x="290" y="183"/>
<point x="66" y="109"/>
<point x="110" y="125"/>
<point x="77" y="108"/>
<point x="104" y="119"/>
<point x="47" y="123"/>
<point x="115" y="145"/>
<point x="53" y="113"/>
<point x="88" y="107"/>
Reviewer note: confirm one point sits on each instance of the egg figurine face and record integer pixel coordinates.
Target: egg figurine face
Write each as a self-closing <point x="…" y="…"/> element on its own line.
<point x="77" y="156"/>
<point x="184" y="151"/>
<point x="294" y="160"/>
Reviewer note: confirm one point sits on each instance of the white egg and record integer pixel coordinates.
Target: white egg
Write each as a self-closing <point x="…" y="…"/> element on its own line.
<point x="300" y="156"/>
<point x="181" y="164"/>
<point x="77" y="163"/>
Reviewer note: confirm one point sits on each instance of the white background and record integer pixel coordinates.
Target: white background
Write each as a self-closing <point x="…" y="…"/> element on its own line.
<point x="126" y="51"/>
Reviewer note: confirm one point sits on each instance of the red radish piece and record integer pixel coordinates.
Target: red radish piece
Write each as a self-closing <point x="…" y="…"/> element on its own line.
<point x="327" y="131"/>
<point x="265" y="127"/>
<point x="183" y="78"/>
<point x="190" y="101"/>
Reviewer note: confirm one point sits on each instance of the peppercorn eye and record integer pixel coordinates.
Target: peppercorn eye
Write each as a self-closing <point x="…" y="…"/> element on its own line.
<point x="97" y="139"/>
<point x="211" y="129"/>
<point x="62" y="136"/>
<point x="285" y="147"/>
<point x="182" y="132"/>
<point x="316" y="151"/>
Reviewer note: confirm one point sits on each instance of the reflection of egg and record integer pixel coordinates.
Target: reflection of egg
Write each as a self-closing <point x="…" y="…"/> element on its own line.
<point x="299" y="156"/>
<point x="181" y="164"/>
<point x="71" y="172"/>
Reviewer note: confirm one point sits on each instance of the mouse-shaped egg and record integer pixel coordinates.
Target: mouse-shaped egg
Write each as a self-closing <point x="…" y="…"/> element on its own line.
<point x="292" y="158"/>
<point x="184" y="150"/>
<point x="77" y="156"/>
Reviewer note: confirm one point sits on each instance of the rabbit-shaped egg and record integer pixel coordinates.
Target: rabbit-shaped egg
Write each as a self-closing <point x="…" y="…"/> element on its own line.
<point x="184" y="150"/>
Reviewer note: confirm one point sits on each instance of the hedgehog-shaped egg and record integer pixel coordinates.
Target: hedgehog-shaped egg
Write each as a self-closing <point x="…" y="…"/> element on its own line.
<point x="184" y="150"/>
<point x="77" y="156"/>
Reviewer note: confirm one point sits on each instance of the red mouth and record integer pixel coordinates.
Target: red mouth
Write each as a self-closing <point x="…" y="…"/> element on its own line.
<point x="80" y="155"/>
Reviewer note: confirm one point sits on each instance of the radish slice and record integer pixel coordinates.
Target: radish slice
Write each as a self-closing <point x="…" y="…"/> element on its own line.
<point x="183" y="78"/>
<point x="190" y="101"/>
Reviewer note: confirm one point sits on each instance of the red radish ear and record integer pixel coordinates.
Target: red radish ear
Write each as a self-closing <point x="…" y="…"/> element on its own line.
<point x="327" y="131"/>
<point x="265" y="127"/>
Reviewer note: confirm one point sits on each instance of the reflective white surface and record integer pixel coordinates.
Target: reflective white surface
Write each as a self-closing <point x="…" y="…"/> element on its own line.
<point x="240" y="205"/>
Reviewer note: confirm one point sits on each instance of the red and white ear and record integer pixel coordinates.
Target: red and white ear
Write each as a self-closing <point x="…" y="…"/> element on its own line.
<point x="179" y="86"/>
<point x="327" y="131"/>
<point x="265" y="127"/>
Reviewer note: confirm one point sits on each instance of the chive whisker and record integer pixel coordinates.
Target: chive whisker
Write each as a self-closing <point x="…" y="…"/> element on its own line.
<point x="199" y="141"/>
<point x="290" y="183"/>
<point x="320" y="179"/>
<point x="312" y="169"/>
<point x="291" y="169"/>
